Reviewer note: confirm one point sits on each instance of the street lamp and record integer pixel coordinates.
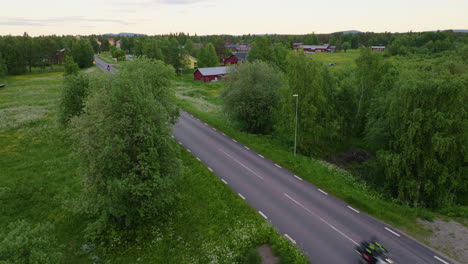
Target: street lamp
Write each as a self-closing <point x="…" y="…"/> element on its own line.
<point x="295" y="129"/>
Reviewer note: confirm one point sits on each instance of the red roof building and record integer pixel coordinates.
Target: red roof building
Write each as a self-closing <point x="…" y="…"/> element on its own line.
<point x="210" y="74"/>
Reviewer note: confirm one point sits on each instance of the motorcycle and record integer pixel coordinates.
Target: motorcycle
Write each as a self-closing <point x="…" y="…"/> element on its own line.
<point x="380" y="257"/>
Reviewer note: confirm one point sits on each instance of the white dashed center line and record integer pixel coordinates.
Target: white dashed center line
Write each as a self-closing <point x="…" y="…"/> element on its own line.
<point x="247" y="168"/>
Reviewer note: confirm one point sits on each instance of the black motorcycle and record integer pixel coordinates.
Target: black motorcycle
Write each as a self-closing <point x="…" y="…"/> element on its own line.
<point x="377" y="257"/>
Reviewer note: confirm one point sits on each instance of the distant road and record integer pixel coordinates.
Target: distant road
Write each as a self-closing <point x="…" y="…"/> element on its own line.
<point x="325" y="228"/>
<point x="103" y="65"/>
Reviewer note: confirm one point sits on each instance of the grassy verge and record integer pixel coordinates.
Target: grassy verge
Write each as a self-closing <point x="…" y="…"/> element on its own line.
<point x="201" y="99"/>
<point x="38" y="175"/>
<point x="341" y="58"/>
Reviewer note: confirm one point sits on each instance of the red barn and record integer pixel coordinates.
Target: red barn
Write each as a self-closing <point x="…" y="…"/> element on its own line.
<point x="315" y="48"/>
<point x="236" y="59"/>
<point x="210" y="74"/>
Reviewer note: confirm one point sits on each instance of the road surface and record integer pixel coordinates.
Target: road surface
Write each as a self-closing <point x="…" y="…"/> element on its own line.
<point x="103" y="65"/>
<point x="325" y="228"/>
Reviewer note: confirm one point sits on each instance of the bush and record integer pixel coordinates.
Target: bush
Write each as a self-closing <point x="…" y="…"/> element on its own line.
<point x="25" y="244"/>
<point x="252" y="95"/>
<point x="71" y="67"/>
<point x="73" y="97"/>
<point x="128" y="162"/>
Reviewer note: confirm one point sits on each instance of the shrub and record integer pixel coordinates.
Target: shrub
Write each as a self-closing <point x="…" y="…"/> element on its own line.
<point x="73" y="97"/>
<point x="24" y="244"/>
<point x="71" y="67"/>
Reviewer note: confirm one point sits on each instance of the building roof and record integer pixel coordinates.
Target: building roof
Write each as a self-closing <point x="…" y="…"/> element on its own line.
<point x="378" y="47"/>
<point x="315" y="46"/>
<point x="213" y="71"/>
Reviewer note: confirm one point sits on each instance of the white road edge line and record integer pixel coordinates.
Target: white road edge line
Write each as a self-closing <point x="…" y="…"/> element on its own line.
<point x="322" y="192"/>
<point x="353" y="209"/>
<point x="321" y="219"/>
<point x="225" y="182"/>
<point x="242" y="164"/>
<point x="262" y="214"/>
<point x="213" y="128"/>
<point x="290" y="238"/>
<point x="223" y="134"/>
<point x="205" y="123"/>
<point x="210" y="169"/>
<point x="189" y="150"/>
<point x="441" y="260"/>
<point x="246" y="147"/>
<point x="260" y="156"/>
<point x="241" y="196"/>
<point x="297" y="177"/>
<point x="198" y="159"/>
<point x="180" y="142"/>
<point x="391" y="231"/>
<point x="277" y="165"/>
<point x="234" y="140"/>
<point x="172" y="136"/>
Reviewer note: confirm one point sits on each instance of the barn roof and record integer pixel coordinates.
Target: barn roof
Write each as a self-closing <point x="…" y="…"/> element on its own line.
<point x="378" y="47"/>
<point x="315" y="46"/>
<point x="213" y="71"/>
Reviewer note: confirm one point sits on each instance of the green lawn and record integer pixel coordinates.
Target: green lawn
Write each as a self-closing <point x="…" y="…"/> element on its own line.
<point x="202" y="100"/>
<point x="341" y="58"/>
<point x="38" y="181"/>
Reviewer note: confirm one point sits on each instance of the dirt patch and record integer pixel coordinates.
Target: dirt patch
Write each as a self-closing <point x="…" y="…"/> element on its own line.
<point x="449" y="237"/>
<point x="267" y="254"/>
<point x="344" y="159"/>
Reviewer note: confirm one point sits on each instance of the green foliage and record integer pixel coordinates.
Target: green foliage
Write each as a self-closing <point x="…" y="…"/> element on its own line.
<point x="280" y="52"/>
<point x="253" y="257"/>
<point x="316" y="125"/>
<point x="420" y="127"/>
<point x="369" y="73"/>
<point x="252" y="95"/>
<point x="346" y="46"/>
<point x="3" y="67"/>
<point x="119" y="54"/>
<point x="190" y="48"/>
<point x="208" y="57"/>
<point x="83" y="53"/>
<point x="152" y="50"/>
<point x="311" y="39"/>
<point x="23" y="243"/>
<point x="72" y="100"/>
<point x="127" y="162"/>
<point x="261" y="49"/>
<point x="94" y="44"/>
<point x="105" y="45"/>
<point x="71" y="67"/>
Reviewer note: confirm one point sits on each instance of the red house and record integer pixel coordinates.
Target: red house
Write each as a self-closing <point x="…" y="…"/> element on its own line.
<point x="236" y="59"/>
<point x="210" y="74"/>
<point x="315" y="48"/>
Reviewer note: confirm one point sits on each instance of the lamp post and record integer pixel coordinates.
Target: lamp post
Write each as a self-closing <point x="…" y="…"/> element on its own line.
<point x="295" y="128"/>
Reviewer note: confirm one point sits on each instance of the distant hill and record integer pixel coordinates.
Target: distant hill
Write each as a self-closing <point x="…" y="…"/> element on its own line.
<point x="460" y="30"/>
<point x="350" y="32"/>
<point x="124" y="34"/>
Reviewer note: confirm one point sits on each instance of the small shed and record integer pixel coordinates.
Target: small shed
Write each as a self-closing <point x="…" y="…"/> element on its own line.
<point x="237" y="58"/>
<point x="210" y="74"/>
<point x="378" y="48"/>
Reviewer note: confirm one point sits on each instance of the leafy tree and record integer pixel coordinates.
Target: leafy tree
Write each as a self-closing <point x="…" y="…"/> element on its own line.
<point x="189" y="47"/>
<point x="105" y="45"/>
<point x="280" y="52"/>
<point x="252" y="95"/>
<point x="175" y="55"/>
<point x="3" y="67"/>
<point x="83" y="53"/>
<point x="73" y="97"/>
<point x="152" y="49"/>
<point x="23" y="243"/>
<point x="70" y="66"/>
<point x="261" y="49"/>
<point x="369" y="73"/>
<point x="208" y="56"/>
<point x="316" y="124"/>
<point x="346" y="46"/>
<point x="94" y="44"/>
<point x="128" y="161"/>
<point x="119" y="54"/>
<point x="311" y="39"/>
<point x="420" y="127"/>
<point x="13" y="55"/>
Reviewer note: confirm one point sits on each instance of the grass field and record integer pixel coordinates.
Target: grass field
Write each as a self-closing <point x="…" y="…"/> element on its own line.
<point x="342" y="59"/>
<point x="202" y="100"/>
<point x="211" y="224"/>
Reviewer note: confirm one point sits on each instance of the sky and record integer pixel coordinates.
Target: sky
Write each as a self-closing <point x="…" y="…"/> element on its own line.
<point x="235" y="17"/>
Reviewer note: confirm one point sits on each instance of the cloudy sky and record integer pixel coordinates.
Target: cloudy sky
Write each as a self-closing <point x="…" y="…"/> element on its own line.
<point x="45" y="17"/>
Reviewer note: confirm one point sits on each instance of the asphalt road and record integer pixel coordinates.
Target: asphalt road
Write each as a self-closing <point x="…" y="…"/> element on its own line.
<point x="325" y="228"/>
<point x="103" y="65"/>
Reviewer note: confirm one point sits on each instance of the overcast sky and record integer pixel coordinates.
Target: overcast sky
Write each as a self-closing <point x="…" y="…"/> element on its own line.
<point x="84" y="17"/>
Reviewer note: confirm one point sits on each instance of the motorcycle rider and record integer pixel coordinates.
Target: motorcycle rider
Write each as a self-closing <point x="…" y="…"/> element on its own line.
<point x="372" y="250"/>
